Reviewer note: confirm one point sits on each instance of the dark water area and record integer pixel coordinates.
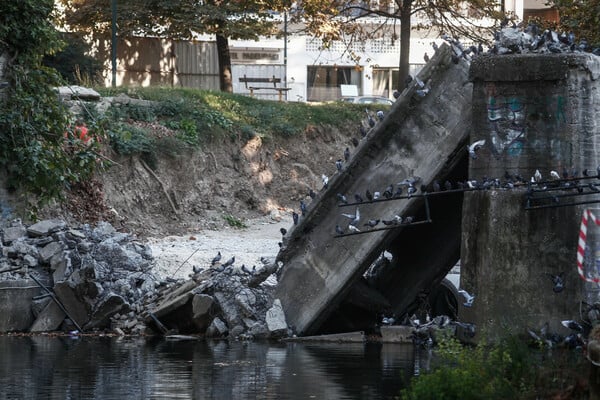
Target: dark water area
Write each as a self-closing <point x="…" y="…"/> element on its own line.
<point x="44" y="367"/>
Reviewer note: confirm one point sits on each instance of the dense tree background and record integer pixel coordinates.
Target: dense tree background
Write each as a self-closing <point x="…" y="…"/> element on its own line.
<point x="582" y="17"/>
<point x="472" y="20"/>
<point x="180" y="19"/>
<point x="34" y="154"/>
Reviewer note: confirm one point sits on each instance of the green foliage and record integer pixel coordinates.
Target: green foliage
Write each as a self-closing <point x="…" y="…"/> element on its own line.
<point x="73" y="64"/>
<point x="200" y="116"/>
<point x="234" y="222"/>
<point x="33" y="122"/>
<point x="507" y="369"/>
<point x="580" y="17"/>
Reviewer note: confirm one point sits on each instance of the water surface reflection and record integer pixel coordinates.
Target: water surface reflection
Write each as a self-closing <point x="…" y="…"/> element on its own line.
<point x="107" y="368"/>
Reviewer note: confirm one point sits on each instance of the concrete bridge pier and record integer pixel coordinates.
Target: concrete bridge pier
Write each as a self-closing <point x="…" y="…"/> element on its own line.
<point x="535" y="111"/>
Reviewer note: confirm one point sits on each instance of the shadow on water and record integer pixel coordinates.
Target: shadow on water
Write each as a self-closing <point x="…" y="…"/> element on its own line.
<point x="44" y="367"/>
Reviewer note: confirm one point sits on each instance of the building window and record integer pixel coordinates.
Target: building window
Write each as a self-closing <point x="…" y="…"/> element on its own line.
<point x="385" y="80"/>
<point x="324" y="81"/>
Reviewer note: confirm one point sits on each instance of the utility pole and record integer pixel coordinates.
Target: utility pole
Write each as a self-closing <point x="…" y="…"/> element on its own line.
<point x="285" y="19"/>
<point x="113" y="42"/>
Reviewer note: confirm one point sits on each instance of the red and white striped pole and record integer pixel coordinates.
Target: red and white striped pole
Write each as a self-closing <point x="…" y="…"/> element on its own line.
<point x="587" y="215"/>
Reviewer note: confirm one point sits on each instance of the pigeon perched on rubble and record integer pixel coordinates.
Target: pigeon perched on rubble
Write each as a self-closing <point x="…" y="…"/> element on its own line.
<point x="426" y="57"/>
<point x="229" y="262"/>
<point x="339" y="230"/>
<point x="380" y="115"/>
<point x="353" y="228"/>
<point x="295" y="217"/>
<point x="347" y="154"/>
<point x="216" y="259"/>
<point x="325" y="180"/>
<point x="302" y="208"/>
<point x="338" y="165"/>
<point x="358" y="198"/>
<point x="283" y="231"/>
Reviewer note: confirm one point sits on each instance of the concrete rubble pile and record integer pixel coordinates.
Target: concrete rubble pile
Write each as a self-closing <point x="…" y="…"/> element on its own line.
<point x="96" y="279"/>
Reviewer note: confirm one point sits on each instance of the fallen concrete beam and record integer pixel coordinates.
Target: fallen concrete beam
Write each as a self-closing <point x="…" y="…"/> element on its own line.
<point x="420" y="136"/>
<point x="397" y="334"/>
<point x="350" y="337"/>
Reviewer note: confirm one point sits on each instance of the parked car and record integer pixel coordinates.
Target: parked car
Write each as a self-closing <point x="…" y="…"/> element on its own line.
<point x="367" y="100"/>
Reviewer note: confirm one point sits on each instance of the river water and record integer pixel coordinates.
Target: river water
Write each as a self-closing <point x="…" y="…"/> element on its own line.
<point x="43" y="367"/>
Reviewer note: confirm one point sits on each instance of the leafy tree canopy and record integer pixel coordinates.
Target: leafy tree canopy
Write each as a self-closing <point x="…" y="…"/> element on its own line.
<point x="582" y="17"/>
<point x="33" y="122"/>
<point x="244" y="19"/>
<point x="346" y="20"/>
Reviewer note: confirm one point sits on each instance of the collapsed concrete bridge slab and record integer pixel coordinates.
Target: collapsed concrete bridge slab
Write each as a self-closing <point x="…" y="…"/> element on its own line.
<point x="422" y="136"/>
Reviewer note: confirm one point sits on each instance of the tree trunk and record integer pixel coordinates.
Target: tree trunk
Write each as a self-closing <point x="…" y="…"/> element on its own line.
<point x="225" y="79"/>
<point x="405" y="13"/>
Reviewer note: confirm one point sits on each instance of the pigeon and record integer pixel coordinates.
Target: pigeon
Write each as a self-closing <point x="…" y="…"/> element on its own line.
<point x="473" y="147"/>
<point x="342" y="199"/>
<point x="353" y="228"/>
<point x="388" y="192"/>
<point x="408" y="220"/>
<point x="537" y="176"/>
<point x="448" y="185"/>
<point x="372" y="223"/>
<point x="196" y="269"/>
<point x="347" y="154"/>
<point x="325" y="180"/>
<point x="295" y="217"/>
<point x="339" y="230"/>
<point x="246" y="270"/>
<point x="354" y="217"/>
<point x="435" y="46"/>
<point x="338" y="164"/>
<point x="283" y="231"/>
<point x="369" y="195"/>
<point x="558" y="282"/>
<point x="554" y="175"/>
<point x="312" y="194"/>
<point x="380" y="115"/>
<point x="388" y="320"/>
<point x="426" y="57"/>
<point x="216" y="259"/>
<point x="572" y="325"/>
<point x="358" y="198"/>
<point x="398" y="191"/>
<point x="363" y="131"/>
<point x="468" y="298"/>
<point x="370" y="119"/>
<point x="376" y="195"/>
<point x="229" y="262"/>
<point x="303" y="207"/>
<point x="389" y="222"/>
<point x="435" y="186"/>
<point x="411" y="190"/>
<point x="469" y="328"/>
<point x="355" y="142"/>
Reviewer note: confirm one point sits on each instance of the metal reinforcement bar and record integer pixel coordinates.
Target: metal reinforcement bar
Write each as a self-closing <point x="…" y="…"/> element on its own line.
<point x="58" y="303"/>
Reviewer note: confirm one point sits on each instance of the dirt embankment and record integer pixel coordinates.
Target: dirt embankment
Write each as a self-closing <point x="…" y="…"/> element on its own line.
<point x="240" y="180"/>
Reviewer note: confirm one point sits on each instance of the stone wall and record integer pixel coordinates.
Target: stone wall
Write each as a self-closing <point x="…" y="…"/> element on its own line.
<point x="536" y="112"/>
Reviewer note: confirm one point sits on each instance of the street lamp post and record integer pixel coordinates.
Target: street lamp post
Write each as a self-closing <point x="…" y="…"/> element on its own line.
<point x="113" y="42"/>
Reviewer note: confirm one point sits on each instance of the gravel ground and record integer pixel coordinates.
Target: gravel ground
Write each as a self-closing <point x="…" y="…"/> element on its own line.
<point x="175" y="256"/>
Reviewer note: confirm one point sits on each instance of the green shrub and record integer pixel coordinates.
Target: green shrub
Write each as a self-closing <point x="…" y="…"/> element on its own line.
<point x="234" y="222"/>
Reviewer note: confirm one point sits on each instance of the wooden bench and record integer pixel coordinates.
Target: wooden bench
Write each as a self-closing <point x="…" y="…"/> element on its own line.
<point x="275" y="81"/>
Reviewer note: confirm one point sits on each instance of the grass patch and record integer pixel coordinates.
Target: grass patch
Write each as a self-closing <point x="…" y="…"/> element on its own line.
<point x="234" y="222"/>
<point x="201" y="116"/>
<point x="507" y="369"/>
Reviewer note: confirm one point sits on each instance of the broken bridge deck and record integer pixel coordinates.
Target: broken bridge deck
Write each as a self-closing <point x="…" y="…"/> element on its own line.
<point x="420" y="136"/>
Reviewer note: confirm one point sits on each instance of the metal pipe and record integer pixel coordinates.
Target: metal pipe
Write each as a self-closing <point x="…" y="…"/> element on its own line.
<point x="58" y="303"/>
